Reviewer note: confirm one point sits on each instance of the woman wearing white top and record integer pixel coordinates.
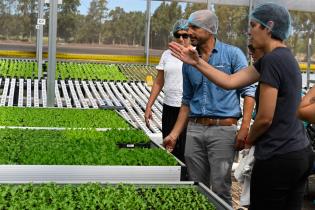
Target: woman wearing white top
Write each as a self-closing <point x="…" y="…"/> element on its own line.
<point x="170" y="77"/>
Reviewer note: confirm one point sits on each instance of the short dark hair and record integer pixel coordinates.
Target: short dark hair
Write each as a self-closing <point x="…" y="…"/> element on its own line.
<point x="272" y="34"/>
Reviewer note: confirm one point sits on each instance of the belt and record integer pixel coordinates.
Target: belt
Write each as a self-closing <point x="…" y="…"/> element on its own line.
<point x="214" y="121"/>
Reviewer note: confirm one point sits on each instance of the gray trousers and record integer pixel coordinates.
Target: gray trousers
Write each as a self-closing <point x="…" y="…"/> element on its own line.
<point x="209" y="156"/>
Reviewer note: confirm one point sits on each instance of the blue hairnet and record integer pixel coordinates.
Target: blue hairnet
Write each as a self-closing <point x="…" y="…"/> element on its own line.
<point x="204" y="19"/>
<point x="180" y="24"/>
<point x="274" y="17"/>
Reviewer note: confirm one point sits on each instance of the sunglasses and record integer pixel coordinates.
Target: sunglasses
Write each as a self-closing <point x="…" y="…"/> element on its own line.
<point x="177" y="36"/>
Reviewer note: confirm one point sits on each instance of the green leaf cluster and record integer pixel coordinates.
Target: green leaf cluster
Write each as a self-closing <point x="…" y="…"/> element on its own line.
<point x="18" y="69"/>
<point x="53" y="117"/>
<point x="88" y="71"/>
<point x="96" y="196"/>
<point x="137" y="72"/>
<point x="78" y="147"/>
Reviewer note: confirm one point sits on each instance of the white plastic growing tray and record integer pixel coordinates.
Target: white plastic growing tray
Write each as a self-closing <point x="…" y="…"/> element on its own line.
<point x="88" y="173"/>
<point x="85" y="174"/>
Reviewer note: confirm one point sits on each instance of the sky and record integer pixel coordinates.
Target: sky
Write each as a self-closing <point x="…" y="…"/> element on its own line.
<point x="127" y="5"/>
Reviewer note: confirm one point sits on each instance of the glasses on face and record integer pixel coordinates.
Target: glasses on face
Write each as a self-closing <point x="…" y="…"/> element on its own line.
<point x="184" y="36"/>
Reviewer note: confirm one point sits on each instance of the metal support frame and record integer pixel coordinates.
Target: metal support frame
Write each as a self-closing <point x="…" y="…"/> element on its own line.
<point x="250" y="9"/>
<point x="210" y="5"/>
<point x="308" y="69"/>
<point x="39" y="38"/>
<point x="147" y="36"/>
<point x="52" y="54"/>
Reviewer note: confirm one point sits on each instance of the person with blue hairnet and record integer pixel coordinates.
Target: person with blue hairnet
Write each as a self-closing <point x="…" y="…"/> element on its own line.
<point x="283" y="157"/>
<point x="170" y="77"/>
<point x="212" y="112"/>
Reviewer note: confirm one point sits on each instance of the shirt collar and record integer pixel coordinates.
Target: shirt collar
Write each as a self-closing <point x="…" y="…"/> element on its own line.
<point x="217" y="46"/>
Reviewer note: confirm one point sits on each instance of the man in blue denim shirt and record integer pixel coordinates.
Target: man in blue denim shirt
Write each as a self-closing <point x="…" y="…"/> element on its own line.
<point x="212" y="112"/>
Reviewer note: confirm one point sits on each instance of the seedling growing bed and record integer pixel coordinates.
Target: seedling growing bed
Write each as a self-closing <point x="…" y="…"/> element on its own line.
<point x="82" y="156"/>
<point x="97" y="196"/>
<point x="89" y="71"/>
<point x="53" y="117"/>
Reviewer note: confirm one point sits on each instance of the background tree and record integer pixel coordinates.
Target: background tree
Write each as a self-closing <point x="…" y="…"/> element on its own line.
<point x="7" y="18"/>
<point x="27" y="18"/>
<point x="233" y="25"/>
<point x="91" y="29"/>
<point x="163" y="19"/>
<point x="100" y="17"/>
<point x="190" y="8"/>
<point x="117" y="25"/>
<point x="18" y="19"/>
<point x="68" y="19"/>
<point x="81" y="33"/>
<point x="135" y="28"/>
<point x="303" y="29"/>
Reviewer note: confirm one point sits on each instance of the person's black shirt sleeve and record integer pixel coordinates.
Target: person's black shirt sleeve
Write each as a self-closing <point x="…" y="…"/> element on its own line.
<point x="268" y="70"/>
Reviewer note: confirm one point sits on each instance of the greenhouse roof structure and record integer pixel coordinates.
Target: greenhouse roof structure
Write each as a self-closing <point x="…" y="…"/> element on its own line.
<point x="301" y="5"/>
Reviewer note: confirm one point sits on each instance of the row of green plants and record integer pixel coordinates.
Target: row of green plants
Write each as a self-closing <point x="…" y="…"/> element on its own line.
<point x="96" y="196"/>
<point x="78" y="147"/>
<point x="137" y="72"/>
<point x="18" y="69"/>
<point x="88" y="71"/>
<point x="82" y="71"/>
<point x="55" y="117"/>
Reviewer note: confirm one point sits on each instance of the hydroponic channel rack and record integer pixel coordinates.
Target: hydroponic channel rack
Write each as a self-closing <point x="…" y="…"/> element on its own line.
<point x="132" y="96"/>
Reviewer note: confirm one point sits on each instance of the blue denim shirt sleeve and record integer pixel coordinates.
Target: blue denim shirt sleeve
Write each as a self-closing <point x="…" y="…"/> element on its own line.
<point x="187" y="88"/>
<point x="239" y="63"/>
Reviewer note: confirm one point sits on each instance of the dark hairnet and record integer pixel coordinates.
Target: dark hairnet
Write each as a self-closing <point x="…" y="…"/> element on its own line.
<point x="274" y="17"/>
